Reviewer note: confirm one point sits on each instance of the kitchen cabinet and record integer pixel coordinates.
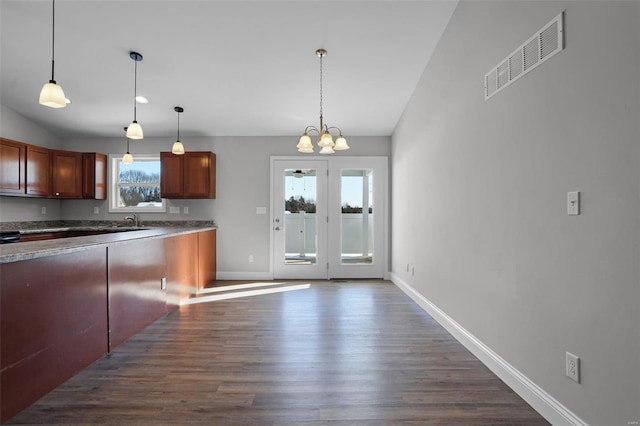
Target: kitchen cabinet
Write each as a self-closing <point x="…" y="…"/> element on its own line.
<point x="66" y="174"/>
<point x="53" y="323"/>
<point x="86" y="302"/>
<point x="94" y="176"/>
<point x="34" y="171"/>
<point x="12" y="167"/>
<point x="38" y="179"/>
<point x="191" y="175"/>
<point x="207" y="264"/>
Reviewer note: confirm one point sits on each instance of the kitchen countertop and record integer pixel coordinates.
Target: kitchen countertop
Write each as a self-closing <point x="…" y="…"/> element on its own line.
<point x="14" y="252"/>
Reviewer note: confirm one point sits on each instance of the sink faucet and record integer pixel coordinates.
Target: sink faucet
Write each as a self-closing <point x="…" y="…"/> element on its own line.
<point x="133" y="218"/>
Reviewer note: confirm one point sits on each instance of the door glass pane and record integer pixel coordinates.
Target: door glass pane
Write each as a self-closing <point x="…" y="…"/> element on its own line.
<point x="300" y="217"/>
<point x="356" y="226"/>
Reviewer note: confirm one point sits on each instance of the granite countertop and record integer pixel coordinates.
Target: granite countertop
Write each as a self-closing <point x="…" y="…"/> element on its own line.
<point x="14" y="252"/>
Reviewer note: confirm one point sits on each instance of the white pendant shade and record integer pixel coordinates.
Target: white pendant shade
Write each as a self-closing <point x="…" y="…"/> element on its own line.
<point x="326" y="150"/>
<point x="326" y="140"/>
<point x="52" y="95"/>
<point x="134" y="131"/>
<point x="341" y="144"/>
<point x="305" y="145"/>
<point x="305" y="141"/>
<point x="127" y="158"/>
<point x="178" y="148"/>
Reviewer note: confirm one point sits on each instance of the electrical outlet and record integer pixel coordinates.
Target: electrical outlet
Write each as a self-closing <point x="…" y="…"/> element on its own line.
<point x="96" y="210"/>
<point x="185" y="210"/>
<point x="572" y="367"/>
<point x="250" y="258"/>
<point x="43" y="210"/>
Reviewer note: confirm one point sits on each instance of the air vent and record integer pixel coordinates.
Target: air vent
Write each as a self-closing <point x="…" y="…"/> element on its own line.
<point x="536" y="50"/>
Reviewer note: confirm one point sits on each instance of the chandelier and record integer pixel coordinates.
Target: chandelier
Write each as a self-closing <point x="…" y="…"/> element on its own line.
<point x="325" y="139"/>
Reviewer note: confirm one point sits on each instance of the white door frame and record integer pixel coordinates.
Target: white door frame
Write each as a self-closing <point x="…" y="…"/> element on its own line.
<point x="335" y="165"/>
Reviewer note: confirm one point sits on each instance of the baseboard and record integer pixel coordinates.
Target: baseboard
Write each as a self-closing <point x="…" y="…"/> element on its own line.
<point x="256" y="276"/>
<point x="548" y="407"/>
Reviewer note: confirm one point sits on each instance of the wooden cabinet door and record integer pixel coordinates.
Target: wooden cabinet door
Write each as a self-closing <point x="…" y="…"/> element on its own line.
<point x="12" y="167"/>
<point x="38" y="171"/>
<point x="94" y="176"/>
<point x="171" y="175"/>
<point x="207" y="258"/>
<point x="199" y="175"/>
<point x="66" y="174"/>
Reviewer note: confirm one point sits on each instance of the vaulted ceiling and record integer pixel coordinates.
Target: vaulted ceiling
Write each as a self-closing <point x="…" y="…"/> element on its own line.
<point x="238" y="68"/>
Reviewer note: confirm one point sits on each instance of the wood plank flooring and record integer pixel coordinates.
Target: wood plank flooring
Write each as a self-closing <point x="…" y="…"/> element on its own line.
<point x="339" y="353"/>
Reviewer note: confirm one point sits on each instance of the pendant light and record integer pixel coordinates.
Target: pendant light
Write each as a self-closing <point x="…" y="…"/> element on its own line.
<point x="178" y="148"/>
<point x="127" y="158"/>
<point x="51" y="94"/>
<point x="325" y="140"/>
<point x="134" y="131"/>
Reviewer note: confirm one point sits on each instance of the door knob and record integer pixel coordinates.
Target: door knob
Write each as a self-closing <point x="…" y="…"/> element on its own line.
<point x="277" y="228"/>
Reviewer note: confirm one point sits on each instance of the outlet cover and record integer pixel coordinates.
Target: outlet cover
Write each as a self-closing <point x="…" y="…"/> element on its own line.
<point x="174" y="210"/>
<point x="572" y="367"/>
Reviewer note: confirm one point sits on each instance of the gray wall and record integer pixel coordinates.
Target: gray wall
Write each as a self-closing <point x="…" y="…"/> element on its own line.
<point x="487" y="227"/>
<point x="15" y="126"/>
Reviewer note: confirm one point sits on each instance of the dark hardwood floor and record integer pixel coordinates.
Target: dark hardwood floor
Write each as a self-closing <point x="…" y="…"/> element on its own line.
<point x="354" y="352"/>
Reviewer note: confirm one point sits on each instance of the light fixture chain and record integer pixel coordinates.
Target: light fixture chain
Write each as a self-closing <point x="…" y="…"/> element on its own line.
<point x="53" y="39"/>
<point x="178" y="139"/>
<point x="135" y="88"/>
<point x="321" y="90"/>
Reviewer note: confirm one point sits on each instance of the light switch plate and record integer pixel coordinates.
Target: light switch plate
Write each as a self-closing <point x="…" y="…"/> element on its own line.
<point x="174" y="210"/>
<point x="573" y="203"/>
<point x="261" y="210"/>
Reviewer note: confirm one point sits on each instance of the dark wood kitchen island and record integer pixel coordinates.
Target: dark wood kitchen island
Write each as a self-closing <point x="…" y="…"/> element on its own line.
<point x="65" y="302"/>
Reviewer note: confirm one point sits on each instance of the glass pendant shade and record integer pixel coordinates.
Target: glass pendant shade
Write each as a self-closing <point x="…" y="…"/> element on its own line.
<point x="134" y="131"/>
<point x="341" y="144"/>
<point x="305" y="141"/>
<point x="127" y="158"/>
<point x="52" y="95"/>
<point x="326" y="140"/>
<point x="177" y="148"/>
<point x="306" y="150"/>
<point x="326" y="150"/>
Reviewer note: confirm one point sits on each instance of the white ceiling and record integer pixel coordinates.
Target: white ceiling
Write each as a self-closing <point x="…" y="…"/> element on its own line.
<point x="238" y="68"/>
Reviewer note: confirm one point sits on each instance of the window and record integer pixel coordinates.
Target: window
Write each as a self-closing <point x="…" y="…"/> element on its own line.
<point x="136" y="187"/>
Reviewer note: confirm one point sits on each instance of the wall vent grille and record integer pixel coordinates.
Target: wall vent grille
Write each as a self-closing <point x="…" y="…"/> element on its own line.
<point x="536" y="50"/>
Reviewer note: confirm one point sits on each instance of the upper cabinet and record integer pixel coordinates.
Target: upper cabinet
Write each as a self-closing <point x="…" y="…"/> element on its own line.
<point x="34" y="171"/>
<point x="94" y="176"/>
<point x="66" y="174"/>
<point x="12" y="167"/>
<point x="191" y="175"/>
<point x="38" y="171"/>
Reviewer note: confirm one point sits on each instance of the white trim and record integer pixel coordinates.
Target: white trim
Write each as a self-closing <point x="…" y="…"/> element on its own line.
<point x="549" y="407"/>
<point x="256" y="276"/>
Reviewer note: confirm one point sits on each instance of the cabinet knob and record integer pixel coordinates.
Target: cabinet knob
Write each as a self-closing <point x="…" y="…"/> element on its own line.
<point x="57" y="193"/>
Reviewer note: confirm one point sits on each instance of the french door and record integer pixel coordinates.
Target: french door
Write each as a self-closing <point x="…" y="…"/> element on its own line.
<point x="329" y="217"/>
